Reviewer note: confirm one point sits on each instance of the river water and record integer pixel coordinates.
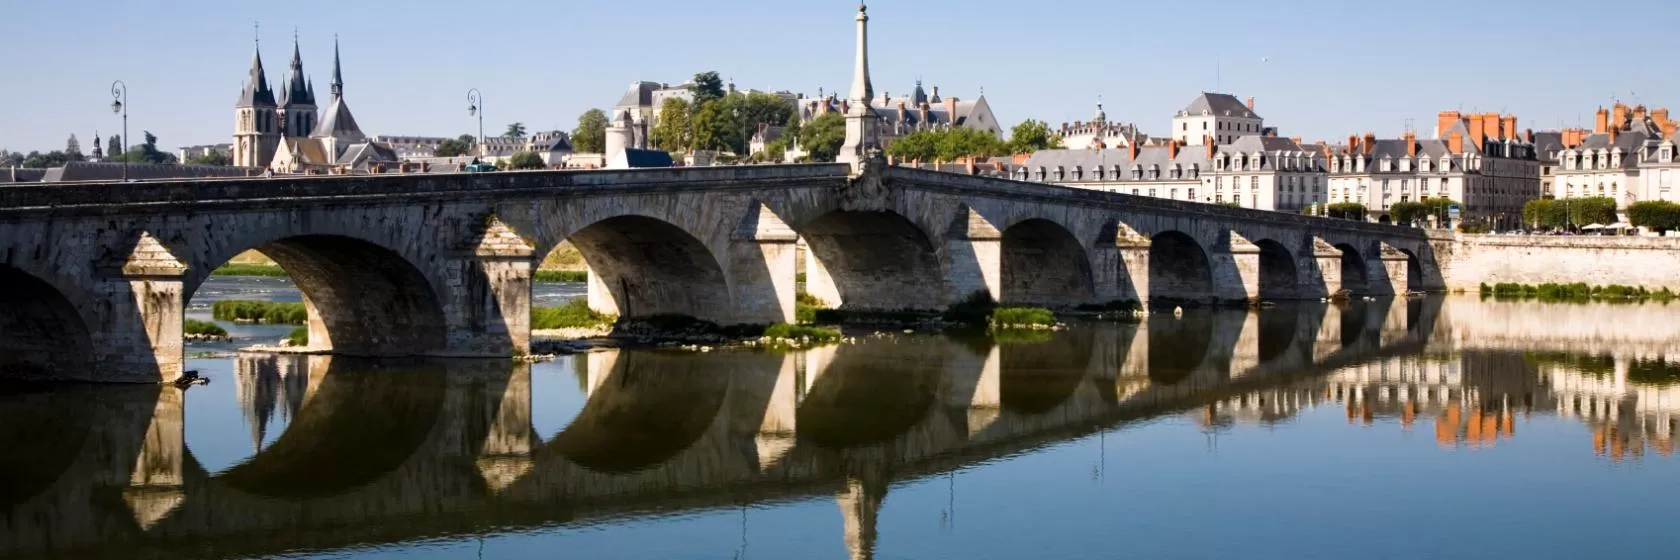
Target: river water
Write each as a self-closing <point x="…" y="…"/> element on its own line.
<point x="1430" y="428"/>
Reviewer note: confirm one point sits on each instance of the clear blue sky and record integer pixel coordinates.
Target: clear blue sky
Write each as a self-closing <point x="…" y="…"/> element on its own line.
<point x="1332" y="67"/>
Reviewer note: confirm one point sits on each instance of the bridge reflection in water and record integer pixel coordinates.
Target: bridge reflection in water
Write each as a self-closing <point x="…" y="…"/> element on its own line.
<point x="388" y="452"/>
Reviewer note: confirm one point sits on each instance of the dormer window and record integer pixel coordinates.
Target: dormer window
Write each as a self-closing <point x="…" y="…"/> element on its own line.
<point x="1061" y="174"/>
<point x="1097" y="173"/>
<point x="1137" y="172"/>
<point x="1154" y="172"/>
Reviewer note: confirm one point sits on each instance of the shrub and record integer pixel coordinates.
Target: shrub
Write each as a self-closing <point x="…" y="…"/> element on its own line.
<point x="796" y="332"/>
<point x="574" y="314"/>
<point x="203" y="328"/>
<point x="1658" y="215"/>
<point x="1404" y="213"/>
<point x="1015" y="317"/>
<point x="264" y="312"/>
<point x="806" y="306"/>
<point x="561" y="276"/>
<point x="1346" y="211"/>
<point x="298" y="337"/>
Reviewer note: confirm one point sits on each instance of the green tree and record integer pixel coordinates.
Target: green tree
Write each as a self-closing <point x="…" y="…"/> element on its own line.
<point x="823" y="136"/>
<point x="453" y="147"/>
<point x="55" y="158"/>
<point x="1405" y="213"/>
<point x="515" y="130"/>
<point x="1594" y="210"/>
<point x="707" y="86"/>
<point x="146" y="152"/>
<point x="114" y="146"/>
<point x="590" y="136"/>
<point x="1658" y="215"/>
<point x="713" y="127"/>
<point x="956" y="143"/>
<point x="211" y="158"/>
<point x="1031" y="136"/>
<point x="10" y="159"/>
<point x="1545" y="213"/>
<point x="673" y="133"/>
<point x="1440" y="208"/>
<point x="1346" y="211"/>
<point x="773" y="152"/>
<point x="918" y="146"/>
<point x="525" y="160"/>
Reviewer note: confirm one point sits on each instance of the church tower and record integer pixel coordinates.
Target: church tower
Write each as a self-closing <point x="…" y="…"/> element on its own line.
<point x="297" y="100"/>
<point x="337" y="128"/>
<point x="256" y="130"/>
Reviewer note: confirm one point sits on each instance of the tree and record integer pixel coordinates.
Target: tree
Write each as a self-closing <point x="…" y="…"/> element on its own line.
<point x="525" y="160"/>
<point x="706" y="87"/>
<point x="918" y="146"/>
<point x="711" y="125"/>
<point x="114" y="147"/>
<point x="673" y="133"/>
<point x="1440" y="208"/>
<point x="55" y="158"/>
<point x="1346" y="211"/>
<point x="590" y="136"/>
<point x="1594" y="210"/>
<point x="515" y="130"/>
<point x="146" y="152"/>
<point x="10" y="159"/>
<point x="1405" y="213"/>
<point x="1658" y="215"/>
<point x="957" y="143"/>
<point x="1031" y="136"/>
<point x="211" y="158"/>
<point x="774" y="152"/>
<point x="823" y="136"/>
<point x="454" y="147"/>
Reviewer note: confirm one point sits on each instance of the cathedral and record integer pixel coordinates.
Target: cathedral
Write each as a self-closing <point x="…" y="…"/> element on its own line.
<point x="285" y="132"/>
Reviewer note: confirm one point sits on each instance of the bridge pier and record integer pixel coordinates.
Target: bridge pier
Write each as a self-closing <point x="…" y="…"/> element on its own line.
<point x="1387" y="269"/>
<point x="1236" y="269"/>
<point x="490" y="311"/>
<point x="762" y="263"/>
<point x="973" y="259"/>
<point x="155" y="485"/>
<point x="138" y="337"/>
<point x="1327" y="261"/>
<point x="1120" y="265"/>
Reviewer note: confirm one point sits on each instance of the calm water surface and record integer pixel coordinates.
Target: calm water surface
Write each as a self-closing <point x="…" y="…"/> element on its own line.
<point x="1411" y="429"/>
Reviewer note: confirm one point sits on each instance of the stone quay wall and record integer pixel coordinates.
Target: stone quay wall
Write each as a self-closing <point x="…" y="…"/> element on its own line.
<point x="1650" y="262"/>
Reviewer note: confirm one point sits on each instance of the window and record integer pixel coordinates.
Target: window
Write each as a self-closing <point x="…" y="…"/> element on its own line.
<point x="1152" y="192"/>
<point x="1254" y="183"/>
<point x="1191" y="195"/>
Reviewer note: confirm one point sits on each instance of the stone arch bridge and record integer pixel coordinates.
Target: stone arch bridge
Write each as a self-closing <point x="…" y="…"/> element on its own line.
<point x="94" y="277"/>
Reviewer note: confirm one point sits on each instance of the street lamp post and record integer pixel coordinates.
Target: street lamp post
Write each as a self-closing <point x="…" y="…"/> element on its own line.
<point x="119" y="105"/>
<point x="475" y="106"/>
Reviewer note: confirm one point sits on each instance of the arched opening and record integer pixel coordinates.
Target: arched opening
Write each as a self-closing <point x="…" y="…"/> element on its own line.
<point x="1385" y="219"/>
<point x="361" y="299"/>
<point x="42" y="337"/>
<point x="1179" y="271"/>
<point x="363" y="421"/>
<point x="871" y="260"/>
<point x="642" y="267"/>
<point x="1043" y="264"/>
<point x="649" y="408"/>
<point x="1278" y="277"/>
<point x="1036" y="377"/>
<point x="1178" y="346"/>
<point x="1278" y="329"/>
<point x="1353" y="270"/>
<point x="45" y="430"/>
<point x="1414" y="271"/>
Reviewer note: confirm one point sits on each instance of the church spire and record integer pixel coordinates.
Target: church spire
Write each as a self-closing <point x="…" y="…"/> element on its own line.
<point x="256" y="92"/>
<point x="297" y="87"/>
<point x="338" y="72"/>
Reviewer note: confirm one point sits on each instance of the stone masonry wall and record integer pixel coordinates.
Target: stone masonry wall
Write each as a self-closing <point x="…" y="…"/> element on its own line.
<point x="1634" y="261"/>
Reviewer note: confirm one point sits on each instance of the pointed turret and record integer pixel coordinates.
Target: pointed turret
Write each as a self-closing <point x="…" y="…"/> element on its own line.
<point x="338" y="73"/>
<point x="296" y="90"/>
<point x="337" y="126"/>
<point x="256" y="92"/>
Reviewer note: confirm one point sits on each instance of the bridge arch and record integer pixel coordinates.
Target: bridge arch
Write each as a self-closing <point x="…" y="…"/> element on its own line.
<point x="1036" y="376"/>
<point x="42" y="335"/>
<point x="1179" y="346"/>
<point x="1044" y="264"/>
<point x="1279" y="274"/>
<point x="1179" y="270"/>
<point x="1414" y="270"/>
<point x="364" y="299"/>
<point x="648" y="409"/>
<point x="1355" y="276"/>
<point x="642" y="266"/>
<point x="877" y="260"/>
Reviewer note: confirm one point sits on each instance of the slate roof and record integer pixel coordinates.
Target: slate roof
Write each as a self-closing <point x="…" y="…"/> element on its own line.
<point x="256" y="92"/>
<point x="1548" y="144"/>
<point x="1219" y="104"/>
<point x="297" y="89"/>
<point x="640" y="94"/>
<point x="1189" y="157"/>
<point x="359" y="155"/>
<point x="104" y="171"/>
<point x="635" y="158"/>
<point x="21" y="175"/>
<point x="337" y="122"/>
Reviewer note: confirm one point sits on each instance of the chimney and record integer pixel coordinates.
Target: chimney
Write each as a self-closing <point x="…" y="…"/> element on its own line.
<point x="901" y="111"/>
<point x="1613" y="131"/>
<point x="1477" y="131"/>
<point x="1133" y="146"/>
<point x="1455" y="143"/>
<point x="951" y="109"/>
<point x="1602" y="123"/>
<point x="1508" y="127"/>
<point x="1251" y="103"/>
<point x="1490" y="127"/>
<point x="1528" y="135"/>
<point x="1207" y="144"/>
<point x="1172" y="150"/>
<point x="1638" y="113"/>
<point x="1660" y="116"/>
<point x="1618" y="117"/>
<point x="1370" y="142"/>
<point x="1668" y="129"/>
<point x="1411" y="144"/>
<point x="1353" y="144"/>
<point x="1445" y="121"/>
<point x="1295" y="139"/>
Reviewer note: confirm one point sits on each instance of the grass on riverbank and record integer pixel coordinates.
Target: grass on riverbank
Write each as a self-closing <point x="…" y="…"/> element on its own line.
<point x="195" y="327"/>
<point x="1022" y="318"/>
<point x="299" y="337"/>
<point x="1576" y="292"/>
<point x="249" y="269"/>
<point x="801" y="332"/>
<point x="573" y="315"/>
<point x="261" y="312"/>
<point x="560" y="276"/>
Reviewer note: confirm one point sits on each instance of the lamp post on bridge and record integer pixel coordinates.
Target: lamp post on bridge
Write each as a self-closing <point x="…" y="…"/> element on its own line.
<point x="119" y="105"/>
<point x="475" y="106"/>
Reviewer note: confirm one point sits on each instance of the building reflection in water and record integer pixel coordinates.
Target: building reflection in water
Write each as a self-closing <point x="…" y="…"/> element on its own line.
<point x="372" y="452"/>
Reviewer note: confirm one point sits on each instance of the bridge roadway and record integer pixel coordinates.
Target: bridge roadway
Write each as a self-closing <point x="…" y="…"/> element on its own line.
<point x="384" y="454"/>
<point x="441" y="265"/>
